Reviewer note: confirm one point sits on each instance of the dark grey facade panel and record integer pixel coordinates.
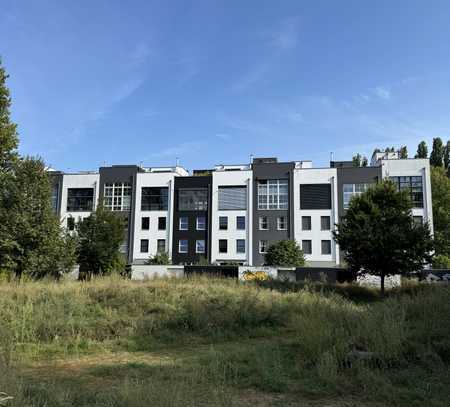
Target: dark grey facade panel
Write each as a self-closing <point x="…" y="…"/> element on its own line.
<point x="192" y="234"/>
<point x="315" y="196"/>
<point x="264" y="170"/>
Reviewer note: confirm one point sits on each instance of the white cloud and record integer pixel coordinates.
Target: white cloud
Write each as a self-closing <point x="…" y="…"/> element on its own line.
<point x="223" y="136"/>
<point x="382" y="92"/>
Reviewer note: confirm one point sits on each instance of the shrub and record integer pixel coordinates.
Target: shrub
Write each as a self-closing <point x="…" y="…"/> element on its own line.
<point x="285" y="253"/>
<point x="159" y="259"/>
<point x="441" y="262"/>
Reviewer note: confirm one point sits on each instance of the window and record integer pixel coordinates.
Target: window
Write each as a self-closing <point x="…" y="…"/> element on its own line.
<point x="161" y="246"/>
<point x="306" y="222"/>
<point x="263" y="246"/>
<point x="54" y="197"/>
<point x="232" y="198"/>
<point x="201" y="223"/>
<point x="307" y="246"/>
<point x="199" y="246"/>
<point x="193" y="199"/>
<point x="182" y="246"/>
<point x="117" y="196"/>
<point x="154" y="198"/>
<point x="418" y="220"/>
<point x="145" y="223"/>
<point x="223" y="246"/>
<point x="414" y="187"/>
<point x="162" y="223"/>
<point x="144" y="245"/>
<point x="80" y="199"/>
<point x="71" y="223"/>
<point x="351" y="190"/>
<point x="325" y="223"/>
<point x="315" y="196"/>
<point x="326" y="246"/>
<point x="240" y="222"/>
<point x="263" y="225"/>
<point x="281" y="223"/>
<point x="184" y="223"/>
<point x="223" y="222"/>
<point x="240" y="246"/>
<point x="273" y="194"/>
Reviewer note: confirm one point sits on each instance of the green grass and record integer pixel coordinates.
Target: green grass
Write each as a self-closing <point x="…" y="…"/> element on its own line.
<point x="217" y="342"/>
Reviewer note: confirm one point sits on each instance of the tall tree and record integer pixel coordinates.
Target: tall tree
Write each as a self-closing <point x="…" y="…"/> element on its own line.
<point x="403" y="152"/>
<point x="437" y="154"/>
<point x="8" y="130"/>
<point x="440" y="189"/>
<point x="379" y="236"/>
<point x="447" y="155"/>
<point x="364" y="162"/>
<point x="422" y="150"/>
<point x="357" y="160"/>
<point x="99" y="238"/>
<point x="32" y="242"/>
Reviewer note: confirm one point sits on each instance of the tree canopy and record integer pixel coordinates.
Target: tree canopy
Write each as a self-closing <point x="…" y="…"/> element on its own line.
<point x="422" y="150"/>
<point x="437" y="154"/>
<point x="285" y="253"/>
<point x="378" y="234"/>
<point x="440" y="189"/>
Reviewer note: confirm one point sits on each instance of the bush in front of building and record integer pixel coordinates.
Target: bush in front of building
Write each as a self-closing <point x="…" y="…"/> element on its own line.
<point x="285" y="253"/>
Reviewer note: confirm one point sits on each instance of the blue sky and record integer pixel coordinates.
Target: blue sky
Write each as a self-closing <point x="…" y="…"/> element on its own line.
<point x="211" y="82"/>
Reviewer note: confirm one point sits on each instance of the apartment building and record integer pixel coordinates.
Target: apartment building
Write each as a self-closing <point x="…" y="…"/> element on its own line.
<point x="233" y="213"/>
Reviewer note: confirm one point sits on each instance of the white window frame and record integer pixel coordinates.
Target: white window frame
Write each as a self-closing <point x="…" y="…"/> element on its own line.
<point x="279" y="223"/>
<point x="117" y="196"/>
<point x="260" y="221"/>
<point x="261" y="245"/>
<point x="197" y="223"/>
<point x="196" y="246"/>
<point x="363" y="187"/>
<point x="179" y="246"/>
<point x="180" y="223"/>
<point x="270" y="191"/>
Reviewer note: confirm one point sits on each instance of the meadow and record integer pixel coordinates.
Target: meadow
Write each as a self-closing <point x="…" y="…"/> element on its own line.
<point x="216" y="342"/>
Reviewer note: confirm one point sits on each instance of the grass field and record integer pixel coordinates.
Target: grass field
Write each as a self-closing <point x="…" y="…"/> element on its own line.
<point x="206" y="342"/>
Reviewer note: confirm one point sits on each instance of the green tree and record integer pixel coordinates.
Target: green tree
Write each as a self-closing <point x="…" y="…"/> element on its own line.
<point x="364" y="162"/>
<point x="403" y="152"/>
<point x="422" y="150"/>
<point x="379" y="236"/>
<point x="8" y="131"/>
<point x="357" y="160"/>
<point x="440" y="190"/>
<point x="437" y="154"/>
<point x="99" y="238"/>
<point x="447" y="155"/>
<point x="159" y="259"/>
<point x="32" y="242"/>
<point x="285" y="253"/>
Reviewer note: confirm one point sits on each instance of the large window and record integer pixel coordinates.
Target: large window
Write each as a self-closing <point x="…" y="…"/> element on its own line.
<point x="232" y="198"/>
<point x="315" y="196"/>
<point x="117" y="196"/>
<point x="154" y="199"/>
<point x="273" y="194"/>
<point x="414" y="186"/>
<point x="193" y="199"/>
<point x="351" y="190"/>
<point x="80" y="199"/>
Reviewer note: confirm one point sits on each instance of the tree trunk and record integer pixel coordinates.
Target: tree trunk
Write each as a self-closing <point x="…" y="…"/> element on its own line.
<point x="382" y="284"/>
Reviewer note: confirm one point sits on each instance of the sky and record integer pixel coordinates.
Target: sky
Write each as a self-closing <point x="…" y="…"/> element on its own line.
<point x="213" y="82"/>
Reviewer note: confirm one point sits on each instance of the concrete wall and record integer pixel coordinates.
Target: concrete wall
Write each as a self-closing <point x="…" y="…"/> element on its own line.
<point x="144" y="272"/>
<point x="316" y="235"/>
<point x="77" y="181"/>
<point x="231" y="178"/>
<point x="271" y="271"/>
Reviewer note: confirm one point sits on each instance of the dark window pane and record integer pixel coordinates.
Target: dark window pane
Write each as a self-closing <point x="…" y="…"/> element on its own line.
<point x="240" y="246"/>
<point x="240" y="222"/>
<point x="80" y="199"/>
<point x="315" y="196"/>
<point x="144" y="245"/>
<point x="306" y="222"/>
<point x="306" y="246"/>
<point x="193" y="199"/>
<point x="145" y="223"/>
<point x="154" y="199"/>
<point x="223" y="246"/>
<point x="414" y="186"/>
<point x="223" y="222"/>
<point x="162" y="223"/>
<point x="326" y="246"/>
<point x="325" y="223"/>
<point x="71" y="223"/>
<point x="161" y="246"/>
